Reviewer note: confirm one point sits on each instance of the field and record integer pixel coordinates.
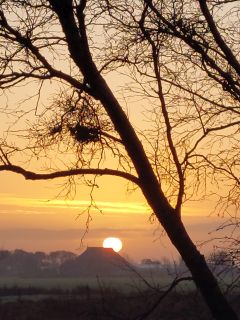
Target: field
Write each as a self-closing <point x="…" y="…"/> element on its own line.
<point x="99" y="298"/>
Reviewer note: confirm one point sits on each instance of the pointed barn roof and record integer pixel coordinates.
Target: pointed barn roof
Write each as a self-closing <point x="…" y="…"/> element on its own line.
<point x="96" y="261"/>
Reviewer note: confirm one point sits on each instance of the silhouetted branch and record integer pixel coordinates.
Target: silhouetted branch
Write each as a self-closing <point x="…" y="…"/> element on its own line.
<point x="29" y="175"/>
<point x="175" y="282"/>
<point x="218" y="38"/>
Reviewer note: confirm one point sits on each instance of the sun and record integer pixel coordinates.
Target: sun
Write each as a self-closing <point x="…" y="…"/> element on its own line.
<point x="114" y="243"/>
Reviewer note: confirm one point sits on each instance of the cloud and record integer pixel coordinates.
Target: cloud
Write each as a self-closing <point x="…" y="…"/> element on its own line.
<point x="105" y="206"/>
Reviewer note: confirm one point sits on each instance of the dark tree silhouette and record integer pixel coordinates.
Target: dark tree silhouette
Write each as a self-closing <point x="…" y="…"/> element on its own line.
<point x="182" y="58"/>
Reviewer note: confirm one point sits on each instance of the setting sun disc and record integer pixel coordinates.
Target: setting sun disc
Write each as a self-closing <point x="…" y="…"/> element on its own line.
<point x="114" y="243"/>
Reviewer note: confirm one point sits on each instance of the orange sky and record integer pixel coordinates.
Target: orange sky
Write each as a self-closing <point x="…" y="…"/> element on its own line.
<point x="32" y="218"/>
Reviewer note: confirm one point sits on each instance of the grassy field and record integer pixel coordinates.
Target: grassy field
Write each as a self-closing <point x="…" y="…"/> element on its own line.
<point x="124" y="284"/>
<point x="99" y="299"/>
<point x="121" y="283"/>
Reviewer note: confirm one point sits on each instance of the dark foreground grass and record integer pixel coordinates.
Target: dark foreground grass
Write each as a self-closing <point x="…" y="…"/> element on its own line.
<point x="123" y="283"/>
<point x="96" y="298"/>
<point x="105" y="303"/>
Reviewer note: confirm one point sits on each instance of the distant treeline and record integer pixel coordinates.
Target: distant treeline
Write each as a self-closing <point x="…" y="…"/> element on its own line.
<point x="20" y="263"/>
<point x="29" y="264"/>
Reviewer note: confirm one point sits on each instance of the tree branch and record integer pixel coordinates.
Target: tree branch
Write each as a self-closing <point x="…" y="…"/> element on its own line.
<point x="224" y="78"/>
<point x="218" y="38"/>
<point x="162" y="296"/>
<point x="80" y="52"/>
<point x="29" y="175"/>
<point x="157" y="71"/>
<point x="27" y="43"/>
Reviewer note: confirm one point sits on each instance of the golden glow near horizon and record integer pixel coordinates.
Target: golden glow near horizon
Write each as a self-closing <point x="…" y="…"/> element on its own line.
<point x="31" y="222"/>
<point x="129" y="207"/>
<point x="34" y="217"/>
<point x="112" y="242"/>
<point x="106" y="206"/>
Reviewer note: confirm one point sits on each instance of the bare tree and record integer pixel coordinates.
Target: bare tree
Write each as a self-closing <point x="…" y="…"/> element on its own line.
<point x="182" y="59"/>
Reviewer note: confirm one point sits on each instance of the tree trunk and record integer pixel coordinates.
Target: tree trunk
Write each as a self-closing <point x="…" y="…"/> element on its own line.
<point x="195" y="261"/>
<point x="167" y="216"/>
<point x="203" y="277"/>
<point x="79" y="50"/>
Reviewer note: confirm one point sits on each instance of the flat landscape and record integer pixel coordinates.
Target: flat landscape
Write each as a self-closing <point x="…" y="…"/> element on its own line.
<point x="101" y="298"/>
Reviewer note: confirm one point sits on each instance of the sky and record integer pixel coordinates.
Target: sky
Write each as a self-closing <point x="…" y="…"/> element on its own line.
<point x="33" y="218"/>
<point x="35" y="215"/>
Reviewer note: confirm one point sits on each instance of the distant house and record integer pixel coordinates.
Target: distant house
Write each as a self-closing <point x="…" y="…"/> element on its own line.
<point x="96" y="261"/>
<point x="149" y="263"/>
